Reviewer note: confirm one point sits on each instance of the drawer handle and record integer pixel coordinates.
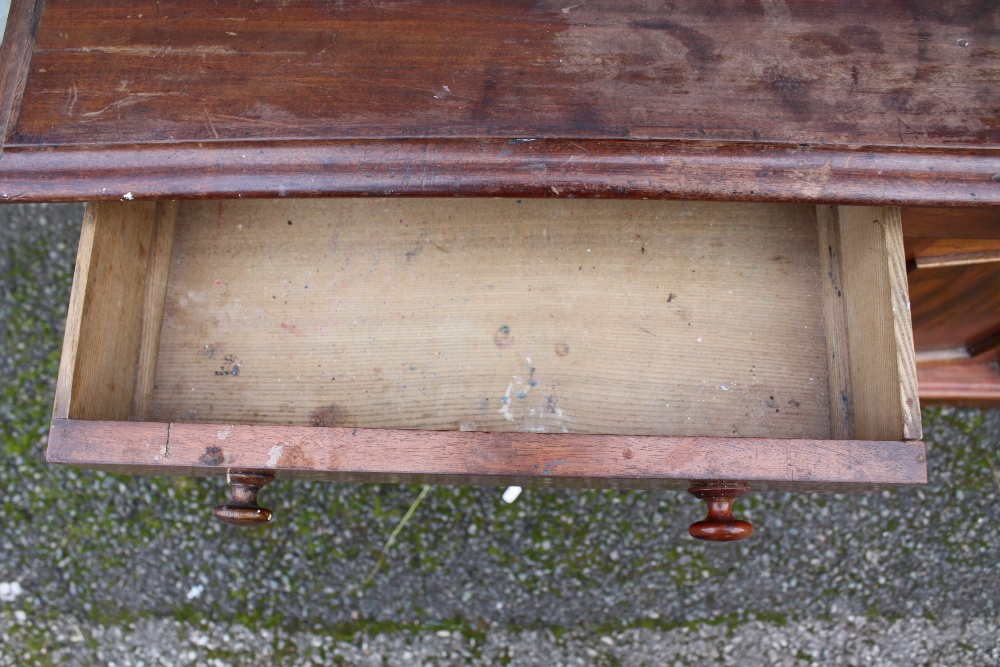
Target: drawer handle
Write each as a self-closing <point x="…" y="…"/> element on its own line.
<point x="242" y="508"/>
<point x="720" y="525"/>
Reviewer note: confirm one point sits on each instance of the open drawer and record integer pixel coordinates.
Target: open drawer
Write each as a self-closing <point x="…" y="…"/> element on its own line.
<point x="715" y="346"/>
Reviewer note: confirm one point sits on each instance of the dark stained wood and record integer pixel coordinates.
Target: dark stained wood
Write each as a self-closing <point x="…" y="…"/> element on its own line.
<point x="15" y="59"/>
<point x="950" y="223"/>
<point x="911" y="74"/>
<point x="963" y="384"/>
<point x="451" y="457"/>
<point x="955" y="252"/>
<point x="243" y="509"/>
<point x="954" y="306"/>
<point x="500" y="167"/>
<point x="795" y="100"/>
<point x="985" y="345"/>
<point x="720" y="525"/>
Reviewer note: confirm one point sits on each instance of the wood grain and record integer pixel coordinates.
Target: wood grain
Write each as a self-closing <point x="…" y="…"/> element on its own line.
<point x="506" y="167"/>
<point x="448" y="457"/>
<point x="950" y="223"/>
<point x="547" y="315"/>
<point x="97" y="374"/>
<point x="838" y="341"/>
<point x="880" y="103"/>
<point x="956" y="252"/>
<point x="902" y="325"/>
<point x="18" y="39"/>
<point x="954" y="306"/>
<point x="155" y="288"/>
<point x="962" y="384"/>
<point x="883" y="370"/>
<point x="147" y="70"/>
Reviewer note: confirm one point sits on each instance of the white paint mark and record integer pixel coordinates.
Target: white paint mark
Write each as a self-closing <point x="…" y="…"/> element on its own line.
<point x="128" y="196"/>
<point x="699" y="340"/>
<point x="566" y="10"/>
<point x="274" y="455"/>
<point x="505" y="408"/>
<point x="724" y="387"/>
<point x="224" y="432"/>
<point x="511" y="494"/>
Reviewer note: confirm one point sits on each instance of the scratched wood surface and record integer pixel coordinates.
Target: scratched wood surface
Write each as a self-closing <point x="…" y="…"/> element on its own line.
<point x="449" y="457"/>
<point x="913" y="74"/>
<point x="781" y="99"/>
<point x="662" y="318"/>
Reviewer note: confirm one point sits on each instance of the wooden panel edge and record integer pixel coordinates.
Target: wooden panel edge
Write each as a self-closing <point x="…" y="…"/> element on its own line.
<point x="15" y="60"/>
<point x="909" y="396"/>
<point x="880" y="334"/>
<point x="835" y="325"/>
<point x="498" y="167"/>
<point x="74" y="316"/>
<point x="157" y="271"/>
<point x="110" y="311"/>
<point x="483" y="458"/>
<point x="984" y="345"/>
<point x="960" y="384"/>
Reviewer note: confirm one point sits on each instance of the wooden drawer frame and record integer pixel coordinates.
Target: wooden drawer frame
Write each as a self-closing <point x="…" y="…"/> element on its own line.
<point x="113" y="334"/>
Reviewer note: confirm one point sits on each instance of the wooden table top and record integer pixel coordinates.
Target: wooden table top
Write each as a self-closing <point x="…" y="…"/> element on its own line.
<point x="778" y="100"/>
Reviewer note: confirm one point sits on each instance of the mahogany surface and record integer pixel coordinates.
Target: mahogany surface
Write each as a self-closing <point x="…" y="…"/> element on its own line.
<point x="453" y="457"/>
<point x="242" y="508"/>
<point x="720" y="525"/>
<point x="788" y="100"/>
<point x="961" y="383"/>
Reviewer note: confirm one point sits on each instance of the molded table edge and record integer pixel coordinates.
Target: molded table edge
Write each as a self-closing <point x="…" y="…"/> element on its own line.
<point x="503" y="167"/>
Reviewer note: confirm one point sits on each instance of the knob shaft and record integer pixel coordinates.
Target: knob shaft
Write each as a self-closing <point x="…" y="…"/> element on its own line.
<point x="720" y="525"/>
<point x="242" y="508"/>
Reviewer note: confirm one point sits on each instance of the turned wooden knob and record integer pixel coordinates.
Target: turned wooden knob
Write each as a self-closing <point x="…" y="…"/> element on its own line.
<point x="720" y="525"/>
<point x="242" y="508"/>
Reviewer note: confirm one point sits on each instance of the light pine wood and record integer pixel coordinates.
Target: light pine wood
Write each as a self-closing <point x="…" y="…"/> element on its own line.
<point x="154" y="294"/>
<point x="74" y="315"/>
<point x="637" y="317"/>
<point x="450" y="457"/>
<point x="906" y="364"/>
<point x="835" y="319"/>
<point x="98" y="368"/>
<point x="880" y="337"/>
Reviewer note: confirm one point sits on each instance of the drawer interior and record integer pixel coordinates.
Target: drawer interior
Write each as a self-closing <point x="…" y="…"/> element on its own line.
<point x="554" y="316"/>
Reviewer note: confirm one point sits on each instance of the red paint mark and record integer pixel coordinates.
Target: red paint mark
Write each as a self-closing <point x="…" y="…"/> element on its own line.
<point x="218" y="282"/>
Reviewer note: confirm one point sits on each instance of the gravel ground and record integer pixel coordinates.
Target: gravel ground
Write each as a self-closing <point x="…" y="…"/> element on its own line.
<point x="98" y="569"/>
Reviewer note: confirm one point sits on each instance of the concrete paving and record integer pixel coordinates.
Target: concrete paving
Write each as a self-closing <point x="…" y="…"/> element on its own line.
<point x="98" y="569"/>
